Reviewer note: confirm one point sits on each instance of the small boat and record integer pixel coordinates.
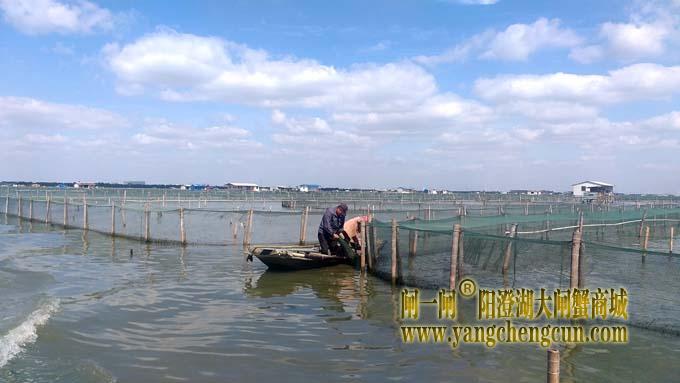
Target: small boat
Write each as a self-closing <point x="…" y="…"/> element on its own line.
<point x="296" y="257"/>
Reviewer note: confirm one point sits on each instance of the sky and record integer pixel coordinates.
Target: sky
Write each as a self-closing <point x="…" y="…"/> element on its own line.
<point x="456" y="94"/>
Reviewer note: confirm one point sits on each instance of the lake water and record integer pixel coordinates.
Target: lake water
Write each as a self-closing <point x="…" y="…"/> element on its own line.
<point x="83" y="307"/>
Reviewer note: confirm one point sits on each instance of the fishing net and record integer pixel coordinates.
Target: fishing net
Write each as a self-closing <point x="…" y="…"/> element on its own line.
<point x="620" y="248"/>
<point x="624" y="245"/>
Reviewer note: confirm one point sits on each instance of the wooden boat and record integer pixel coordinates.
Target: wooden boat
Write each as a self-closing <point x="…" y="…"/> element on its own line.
<point x="295" y="257"/>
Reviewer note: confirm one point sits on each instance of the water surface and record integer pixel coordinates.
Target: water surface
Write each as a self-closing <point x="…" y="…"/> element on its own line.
<point x="83" y="307"/>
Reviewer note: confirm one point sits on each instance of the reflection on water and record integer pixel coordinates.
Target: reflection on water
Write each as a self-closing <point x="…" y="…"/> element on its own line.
<point x="130" y="311"/>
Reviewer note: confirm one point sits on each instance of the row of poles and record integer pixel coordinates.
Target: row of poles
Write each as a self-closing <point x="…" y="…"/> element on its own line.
<point x="146" y="235"/>
<point x="644" y="230"/>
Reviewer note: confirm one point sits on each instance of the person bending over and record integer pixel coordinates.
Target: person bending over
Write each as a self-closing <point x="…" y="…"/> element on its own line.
<point x="330" y="227"/>
<point x="352" y="230"/>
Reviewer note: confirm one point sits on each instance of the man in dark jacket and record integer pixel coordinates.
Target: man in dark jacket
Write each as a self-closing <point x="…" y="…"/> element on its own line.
<point x="331" y="225"/>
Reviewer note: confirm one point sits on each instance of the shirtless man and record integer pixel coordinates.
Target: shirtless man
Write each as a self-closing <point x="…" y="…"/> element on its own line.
<point x="352" y="229"/>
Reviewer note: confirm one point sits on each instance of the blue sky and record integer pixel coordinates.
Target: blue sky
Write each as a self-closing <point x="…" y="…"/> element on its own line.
<point x="438" y="94"/>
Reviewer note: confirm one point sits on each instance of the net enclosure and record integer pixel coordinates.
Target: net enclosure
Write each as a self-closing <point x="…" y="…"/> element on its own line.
<point x="500" y="243"/>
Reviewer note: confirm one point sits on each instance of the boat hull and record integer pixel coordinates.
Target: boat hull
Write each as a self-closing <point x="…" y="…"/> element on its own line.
<point x="298" y="258"/>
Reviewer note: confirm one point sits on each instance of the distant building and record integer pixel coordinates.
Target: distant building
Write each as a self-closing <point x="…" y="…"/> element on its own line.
<point x="585" y="188"/>
<point x="527" y="192"/>
<point x="84" y="185"/>
<point x="403" y="190"/>
<point x="286" y="188"/>
<point x="308" y="187"/>
<point x="242" y="186"/>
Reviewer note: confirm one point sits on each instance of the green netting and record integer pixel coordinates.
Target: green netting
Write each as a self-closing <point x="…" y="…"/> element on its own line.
<point x="620" y="248"/>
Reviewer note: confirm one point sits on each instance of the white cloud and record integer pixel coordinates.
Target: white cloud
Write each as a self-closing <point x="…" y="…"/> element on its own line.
<point x="460" y="52"/>
<point x="669" y="121"/>
<point x="516" y="43"/>
<point x="440" y="111"/>
<point x="635" y="82"/>
<point x="361" y="101"/>
<point x="185" y="137"/>
<point x="50" y="16"/>
<point x="547" y="110"/>
<point x="632" y="41"/>
<point x="587" y="54"/>
<point x="28" y="114"/>
<point x="185" y="67"/>
<point x="519" y="41"/>
<point x="45" y="138"/>
<point x="315" y="133"/>
<point x="651" y="29"/>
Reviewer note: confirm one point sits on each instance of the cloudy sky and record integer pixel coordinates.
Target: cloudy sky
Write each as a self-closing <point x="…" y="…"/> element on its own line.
<point x="465" y="94"/>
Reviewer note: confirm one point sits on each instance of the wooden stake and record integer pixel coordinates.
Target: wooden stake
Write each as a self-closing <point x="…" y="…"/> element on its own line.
<point x="65" y="211"/>
<point x="508" y="248"/>
<point x="19" y="208"/>
<point x="461" y="254"/>
<point x="395" y="255"/>
<point x="249" y="225"/>
<point x="7" y="205"/>
<point x="147" y="229"/>
<point x="234" y="230"/>
<point x="553" y="366"/>
<point x="303" y="225"/>
<point x="30" y="209"/>
<point x="113" y="218"/>
<point x="412" y="242"/>
<point x="670" y="240"/>
<point x="455" y="243"/>
<point x="86" y="224"/>
<point x="369" y="251"/>
<point x="182" y="233"/>
<point x="642" y="223"/>
<point x="575" y="255"/>
<point x="48" y="212"/>
<point x="362" y="242"/>
<point x="374" y="243"/>
<point x="646" y="241"/>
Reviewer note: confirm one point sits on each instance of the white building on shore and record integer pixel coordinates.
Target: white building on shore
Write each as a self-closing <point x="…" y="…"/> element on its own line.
<point x="583" y="188"/>
<point x="242" y="186"/>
